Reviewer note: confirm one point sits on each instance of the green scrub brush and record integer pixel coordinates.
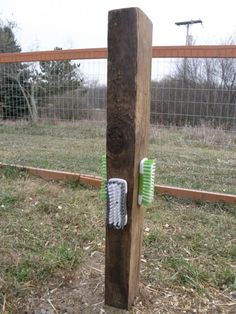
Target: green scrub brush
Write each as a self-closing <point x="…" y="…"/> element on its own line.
<point x="146" y="181"/>
<point x="103" y="192"/>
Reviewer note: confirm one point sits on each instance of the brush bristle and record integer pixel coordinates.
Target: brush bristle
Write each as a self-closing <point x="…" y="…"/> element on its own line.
<point x="103" y="192"/>
<point x="116" y="204"/>
<point x="147" y="181"/>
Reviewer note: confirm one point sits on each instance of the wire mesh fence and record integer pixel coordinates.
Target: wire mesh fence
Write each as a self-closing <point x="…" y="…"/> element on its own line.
<point x="52" y="91"/>
<point x="195" y="91"/>
<point x="53" y="115"/>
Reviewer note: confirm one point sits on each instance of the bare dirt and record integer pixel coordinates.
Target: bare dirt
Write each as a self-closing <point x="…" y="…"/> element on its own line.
<point x="83" y="292"/>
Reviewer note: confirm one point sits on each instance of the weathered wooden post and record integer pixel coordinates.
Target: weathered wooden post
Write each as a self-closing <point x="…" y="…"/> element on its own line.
<point x="128" y="114"/>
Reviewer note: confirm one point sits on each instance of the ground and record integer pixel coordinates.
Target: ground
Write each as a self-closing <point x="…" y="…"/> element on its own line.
<point x="192" y="157"/>
<point x="52" y="251"/>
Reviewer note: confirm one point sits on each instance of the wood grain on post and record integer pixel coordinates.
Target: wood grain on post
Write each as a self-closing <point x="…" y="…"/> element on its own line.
<point x="128" y="113"/>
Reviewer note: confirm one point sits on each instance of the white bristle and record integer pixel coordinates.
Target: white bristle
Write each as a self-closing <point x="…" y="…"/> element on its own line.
<point x="116" y="207"/>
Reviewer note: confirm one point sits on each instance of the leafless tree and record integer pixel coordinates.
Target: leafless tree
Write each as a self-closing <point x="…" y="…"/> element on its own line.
<point x="198" y="90"/>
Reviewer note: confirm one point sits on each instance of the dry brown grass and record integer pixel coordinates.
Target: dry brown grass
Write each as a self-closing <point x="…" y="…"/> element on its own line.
<point x="203" y="135"/>
<point x="210" y="136"/>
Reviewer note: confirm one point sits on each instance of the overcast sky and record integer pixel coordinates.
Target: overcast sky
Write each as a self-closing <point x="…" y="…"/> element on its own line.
<point x="44" y="24"/>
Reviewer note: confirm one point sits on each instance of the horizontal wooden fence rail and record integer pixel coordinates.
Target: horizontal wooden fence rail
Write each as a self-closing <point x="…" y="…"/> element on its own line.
<point x="54" y="55"/>
<point x="202" y="51"/>
<point x="214" y="51"/>
<point x="95" y="181"/>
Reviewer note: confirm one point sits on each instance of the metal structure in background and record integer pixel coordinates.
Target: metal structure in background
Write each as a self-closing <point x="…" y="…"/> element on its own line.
<point x="188" y="24"/>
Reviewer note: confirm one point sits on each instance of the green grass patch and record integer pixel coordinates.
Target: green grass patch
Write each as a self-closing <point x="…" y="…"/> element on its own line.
<point x="191" y="245"/>
<point x="13" y="173"/>
<point x="46" y="229"/>
<point x="200" y="158"/>
<point x="49" y="229"/>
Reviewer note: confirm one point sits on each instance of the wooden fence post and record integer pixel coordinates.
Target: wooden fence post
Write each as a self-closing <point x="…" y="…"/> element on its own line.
<point x="128" y="114"/>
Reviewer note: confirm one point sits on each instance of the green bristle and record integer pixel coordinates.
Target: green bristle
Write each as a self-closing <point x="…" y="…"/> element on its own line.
<point x="103" y="192"/>
<point x="148" y="181"/>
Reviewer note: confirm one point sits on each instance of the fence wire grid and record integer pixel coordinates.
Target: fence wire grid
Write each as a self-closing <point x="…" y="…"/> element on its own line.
<point x="53" y="115"/>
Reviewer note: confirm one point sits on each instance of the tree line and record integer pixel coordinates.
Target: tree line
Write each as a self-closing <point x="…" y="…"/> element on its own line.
<point x="199" y="90"/>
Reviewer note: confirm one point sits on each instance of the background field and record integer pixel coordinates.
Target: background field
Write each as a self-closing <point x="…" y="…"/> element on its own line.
<point x="198" y="157"/>
<point x="52" y="251"/>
